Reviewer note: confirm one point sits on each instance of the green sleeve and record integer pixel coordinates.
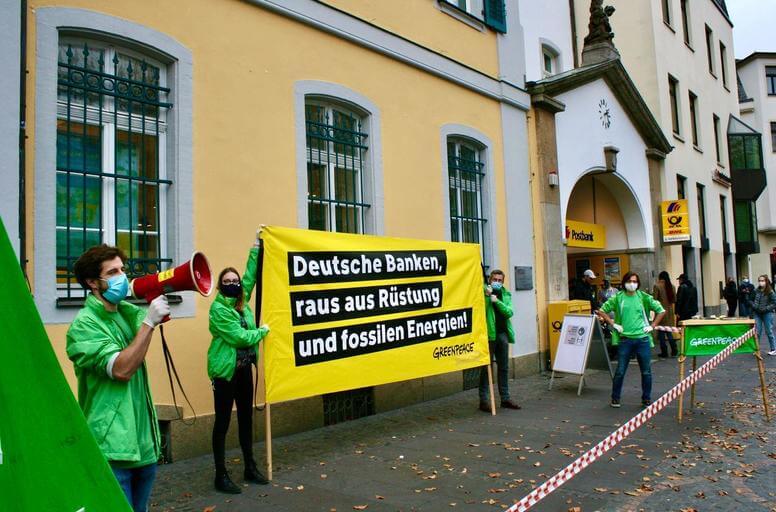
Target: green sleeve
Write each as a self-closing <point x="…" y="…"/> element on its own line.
<point x="249" y="276"/>
<point x="89" y="346"/>
<point x="224" y="325"/>
<point x="653" y="304"/>
<point x="504" y="306"/>
<point x="609" y="304"/>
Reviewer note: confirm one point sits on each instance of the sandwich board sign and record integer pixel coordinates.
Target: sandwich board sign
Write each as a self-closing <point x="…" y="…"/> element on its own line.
<point x="577" y="351"/>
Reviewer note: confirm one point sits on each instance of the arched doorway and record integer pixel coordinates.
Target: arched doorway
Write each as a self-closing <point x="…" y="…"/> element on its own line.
<point x="612" y="236"/>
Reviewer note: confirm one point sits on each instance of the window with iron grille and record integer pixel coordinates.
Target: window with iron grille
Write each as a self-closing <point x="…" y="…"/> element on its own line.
<point x="110" y="173"/>
<point x="336" y="150"/>
<point x="465" y="173"/>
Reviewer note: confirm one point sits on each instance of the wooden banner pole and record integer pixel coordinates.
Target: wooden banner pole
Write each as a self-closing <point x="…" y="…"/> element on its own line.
<point x="268" y="434"/>
<point x="492" y="391"/>
<point x="761" y="371"/>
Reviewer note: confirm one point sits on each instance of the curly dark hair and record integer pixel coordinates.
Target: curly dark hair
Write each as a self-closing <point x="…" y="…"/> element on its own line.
<point x="89" y="264"/>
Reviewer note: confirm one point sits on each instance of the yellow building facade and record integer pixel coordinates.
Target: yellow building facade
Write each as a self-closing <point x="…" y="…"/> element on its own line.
<point x="179" y="126"/>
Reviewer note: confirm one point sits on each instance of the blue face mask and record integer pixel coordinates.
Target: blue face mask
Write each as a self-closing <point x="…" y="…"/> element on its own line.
<point x="118" y="286"/>
<point x="496" y="286"/>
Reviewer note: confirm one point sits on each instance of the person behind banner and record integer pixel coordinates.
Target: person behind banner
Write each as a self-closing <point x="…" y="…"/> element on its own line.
<point x="230" y="359"/>
<point x="583" y="289"/>
<point x="498" y="311"/>
<point x="686" y="298"/>
<point x="762" y="304"/>
<point x="731" y="296"/>
<point x="107" y="343"/>
<point x="631" y="333"/>
<point x="745" y="291"/>
<point x="665" y="293"/>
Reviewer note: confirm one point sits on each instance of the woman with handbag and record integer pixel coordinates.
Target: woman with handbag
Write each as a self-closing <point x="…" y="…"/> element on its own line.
<point x="763" y="304"/>
<point x="232" y="354"/>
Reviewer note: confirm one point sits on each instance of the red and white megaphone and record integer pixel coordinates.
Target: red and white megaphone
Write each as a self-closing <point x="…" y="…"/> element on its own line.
<point x="193" y="275"/>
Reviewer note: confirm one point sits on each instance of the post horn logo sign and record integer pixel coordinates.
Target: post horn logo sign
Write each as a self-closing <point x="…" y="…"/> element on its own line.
<point x="676" y="221"/>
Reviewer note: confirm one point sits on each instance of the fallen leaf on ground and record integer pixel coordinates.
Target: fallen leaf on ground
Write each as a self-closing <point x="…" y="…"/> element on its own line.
<point x="360" y="507"/>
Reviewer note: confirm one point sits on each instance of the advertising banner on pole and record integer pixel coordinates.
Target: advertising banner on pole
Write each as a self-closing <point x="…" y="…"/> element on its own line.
<point x="676" y="220"/>
<point x="709" y="340"/>
<point x="350" y="311"/>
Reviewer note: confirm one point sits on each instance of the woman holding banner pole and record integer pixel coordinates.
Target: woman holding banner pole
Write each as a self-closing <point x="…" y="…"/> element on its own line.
<point x="231" y="356"/>
<point x="762" y="305"/>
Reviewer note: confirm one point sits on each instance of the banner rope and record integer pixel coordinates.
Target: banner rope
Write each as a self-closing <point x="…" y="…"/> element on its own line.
<point x="625" y="430"/>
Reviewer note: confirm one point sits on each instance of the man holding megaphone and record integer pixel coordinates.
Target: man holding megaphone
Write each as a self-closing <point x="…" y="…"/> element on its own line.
<point x="107" y="343"/>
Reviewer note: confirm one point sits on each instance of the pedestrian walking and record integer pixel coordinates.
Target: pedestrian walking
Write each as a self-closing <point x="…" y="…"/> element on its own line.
<point x="230" y="359"/>
<point x="731" y="296"/>
<point x="665" y="293"/>
<point x="763" y="305"/>
<point x="631" y="334"/>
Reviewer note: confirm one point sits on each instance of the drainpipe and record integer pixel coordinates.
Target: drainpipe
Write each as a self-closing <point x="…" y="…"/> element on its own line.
<point x="23" y="138"/>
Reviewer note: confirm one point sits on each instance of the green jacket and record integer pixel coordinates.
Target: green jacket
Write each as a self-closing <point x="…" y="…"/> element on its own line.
<point x="108" y="404"/>
<point x="505" y="308"/>
<point x="228" y="334"/>
<point x="614" y="304"/>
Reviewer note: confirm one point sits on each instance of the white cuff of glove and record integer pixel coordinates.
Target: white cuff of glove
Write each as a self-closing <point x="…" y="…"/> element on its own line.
<point x="266" y="327"/>
<point x="648" y="329"/>
<point x="617" y="327"/>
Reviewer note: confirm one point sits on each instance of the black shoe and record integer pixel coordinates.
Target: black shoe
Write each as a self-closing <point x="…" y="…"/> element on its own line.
<point x="252" y="474"/>
<point x="509" y="404"/>
<point x="485" y="407"/>
<point x="615" y="403"/>
<point x="225" y="484"/>
<point x="645" y="403"/>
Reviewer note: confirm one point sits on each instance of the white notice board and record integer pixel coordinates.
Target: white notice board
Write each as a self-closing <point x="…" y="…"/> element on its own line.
<point x="573" y="345"/>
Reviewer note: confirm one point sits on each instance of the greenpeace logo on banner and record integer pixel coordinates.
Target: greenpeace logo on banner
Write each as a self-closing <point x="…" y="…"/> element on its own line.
<point x="352" y="340"/>
<point x="718" y="340"/>
<point x="334" y="267"/>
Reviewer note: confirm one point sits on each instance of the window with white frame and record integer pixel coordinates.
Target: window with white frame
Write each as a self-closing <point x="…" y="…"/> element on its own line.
<point x="110" y="156"/>
<point x="549" y="61"/>
<point x="336" y="148"/>
<point x="466" y="174"/>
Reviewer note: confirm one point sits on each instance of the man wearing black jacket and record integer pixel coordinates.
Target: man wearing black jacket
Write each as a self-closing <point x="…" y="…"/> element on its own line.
<point x="686" y="299"/>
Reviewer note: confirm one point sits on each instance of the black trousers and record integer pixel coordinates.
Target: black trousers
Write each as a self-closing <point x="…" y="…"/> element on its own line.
<point x="225" y="394"/>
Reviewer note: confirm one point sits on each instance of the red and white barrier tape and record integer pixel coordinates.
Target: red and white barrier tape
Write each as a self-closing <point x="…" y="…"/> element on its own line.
<point x="667" y="328"/>
<point x="624" y="431"/>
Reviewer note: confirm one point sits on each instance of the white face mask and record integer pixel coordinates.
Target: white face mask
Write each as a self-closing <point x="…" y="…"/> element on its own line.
<point x="631" y="287"/>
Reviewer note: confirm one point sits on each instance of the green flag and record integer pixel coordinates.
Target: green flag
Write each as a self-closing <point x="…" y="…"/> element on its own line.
<point x="48" y="457"/>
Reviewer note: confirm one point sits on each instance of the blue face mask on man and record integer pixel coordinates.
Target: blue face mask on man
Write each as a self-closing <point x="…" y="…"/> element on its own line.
<point x="496" y="286"/>
<point x="118" y="286"/>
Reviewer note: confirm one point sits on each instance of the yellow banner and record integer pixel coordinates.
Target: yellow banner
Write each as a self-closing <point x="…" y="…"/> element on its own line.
<point x="676" y="220"/>
<point x="584" y="234"/>
<point x="350" y="311"/>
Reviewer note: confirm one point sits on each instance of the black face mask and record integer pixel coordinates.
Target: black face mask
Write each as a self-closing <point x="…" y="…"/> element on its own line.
<point x="231" y="290"/>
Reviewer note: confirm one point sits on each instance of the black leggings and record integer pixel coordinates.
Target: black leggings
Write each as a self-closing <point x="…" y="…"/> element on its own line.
<point x="225" y="394"/>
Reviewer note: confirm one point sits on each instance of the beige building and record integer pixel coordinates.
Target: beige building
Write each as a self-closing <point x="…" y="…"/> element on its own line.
<point x="679" y="53"/>
<point x="757" y="101"/>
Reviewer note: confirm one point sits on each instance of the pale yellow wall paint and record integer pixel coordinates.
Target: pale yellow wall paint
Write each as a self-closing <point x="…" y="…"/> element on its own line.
<point x="607" y="213"/>
<point x="540" y="268"/>
<point x="246" y="61"/>
<point x="423" y="22"/>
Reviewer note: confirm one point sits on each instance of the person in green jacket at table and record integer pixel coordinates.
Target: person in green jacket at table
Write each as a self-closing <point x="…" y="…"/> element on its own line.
<point x="232" y="354"/>
<point x="498" y="311"/>
<point x="631" y="330"/>
<point x="107" y="343"/>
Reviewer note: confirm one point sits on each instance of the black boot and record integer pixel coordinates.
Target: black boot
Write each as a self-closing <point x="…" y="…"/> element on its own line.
<point x="252" y="473"/>
<point x="225" y="484"/>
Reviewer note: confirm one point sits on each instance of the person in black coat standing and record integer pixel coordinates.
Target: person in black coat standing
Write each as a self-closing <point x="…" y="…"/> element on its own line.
<point x="731" y="296"/>
<point x="686" y="299"/>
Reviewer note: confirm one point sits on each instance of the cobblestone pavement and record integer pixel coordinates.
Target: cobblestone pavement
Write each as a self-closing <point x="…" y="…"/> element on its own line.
<point x="447" y="455"/>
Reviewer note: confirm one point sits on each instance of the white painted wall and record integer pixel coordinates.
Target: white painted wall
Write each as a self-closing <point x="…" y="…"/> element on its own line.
<point x="547" y="21"/>
<point x="581" y="128"/>
<point x="9" y="121"/>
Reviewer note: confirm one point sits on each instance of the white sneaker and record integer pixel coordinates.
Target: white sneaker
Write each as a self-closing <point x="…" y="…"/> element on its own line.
<point x="772" y="353"/>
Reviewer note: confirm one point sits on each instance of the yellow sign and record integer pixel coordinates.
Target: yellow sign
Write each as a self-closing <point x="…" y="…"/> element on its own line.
<point x="676" y="220"/>
<point x="584" y="234"/>
<point x="349" y="311"/>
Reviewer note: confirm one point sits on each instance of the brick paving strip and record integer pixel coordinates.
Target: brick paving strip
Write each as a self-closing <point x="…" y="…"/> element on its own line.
<point x="446" y="455"/>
